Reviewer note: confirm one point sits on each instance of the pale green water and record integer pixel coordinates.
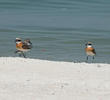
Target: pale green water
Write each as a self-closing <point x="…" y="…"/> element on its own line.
<point x="58" y="29"/>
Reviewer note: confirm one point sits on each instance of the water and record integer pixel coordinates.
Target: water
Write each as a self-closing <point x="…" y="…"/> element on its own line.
<point x="58" y="29"/>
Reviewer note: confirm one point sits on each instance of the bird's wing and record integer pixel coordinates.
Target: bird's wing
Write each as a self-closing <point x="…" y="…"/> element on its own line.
<point x="25" y="46"/>
<point x="94" y="51"/>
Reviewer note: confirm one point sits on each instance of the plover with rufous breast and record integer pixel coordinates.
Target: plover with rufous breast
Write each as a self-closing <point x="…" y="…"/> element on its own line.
<point x="22" y="46"/>
<point x="90" y="51"/>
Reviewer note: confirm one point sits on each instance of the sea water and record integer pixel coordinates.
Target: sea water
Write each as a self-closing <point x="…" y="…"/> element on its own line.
<point x="58" y="29"/>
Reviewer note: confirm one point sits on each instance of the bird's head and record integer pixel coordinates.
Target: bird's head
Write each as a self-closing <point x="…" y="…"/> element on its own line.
<point x="18" y="40"/>
<point x="88" y="44"/>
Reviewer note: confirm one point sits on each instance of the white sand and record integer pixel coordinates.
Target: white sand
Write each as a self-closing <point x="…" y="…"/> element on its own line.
<point x="32" y="79"/>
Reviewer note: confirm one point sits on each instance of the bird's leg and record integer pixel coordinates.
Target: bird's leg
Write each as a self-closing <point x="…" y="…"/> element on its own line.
<point x="19" y="54"/>
<point x="93" y="59"/>
<point x="23" y="55"/>
<point x="17" y="51"/>
<point x="87" y="59"/>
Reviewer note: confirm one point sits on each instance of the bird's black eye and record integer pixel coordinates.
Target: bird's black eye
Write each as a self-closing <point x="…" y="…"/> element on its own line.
<point x="19" y="40"/>
<point x="89" y="44"/>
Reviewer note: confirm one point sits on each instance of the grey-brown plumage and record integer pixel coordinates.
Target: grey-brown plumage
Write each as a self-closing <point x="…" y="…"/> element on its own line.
<point x="27" y="44"/>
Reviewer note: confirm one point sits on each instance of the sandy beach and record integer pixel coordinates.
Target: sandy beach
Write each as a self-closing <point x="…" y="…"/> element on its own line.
<point x="34" y="79"/>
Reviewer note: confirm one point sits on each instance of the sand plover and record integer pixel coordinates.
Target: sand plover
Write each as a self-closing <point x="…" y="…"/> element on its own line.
<point x="90" y="51"/>
<point x="22" y="46"/>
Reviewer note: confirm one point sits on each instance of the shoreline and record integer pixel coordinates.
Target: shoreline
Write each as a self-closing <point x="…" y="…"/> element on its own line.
<point x="75" y="62"/>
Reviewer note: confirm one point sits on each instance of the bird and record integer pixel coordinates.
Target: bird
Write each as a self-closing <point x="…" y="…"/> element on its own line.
<point x="22" y="46"/>
<point x="90" y="51"/>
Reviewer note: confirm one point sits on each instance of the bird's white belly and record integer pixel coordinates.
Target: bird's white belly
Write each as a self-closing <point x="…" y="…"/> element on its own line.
<point x="24" y="50"/>
<point x="90" y="53"/>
